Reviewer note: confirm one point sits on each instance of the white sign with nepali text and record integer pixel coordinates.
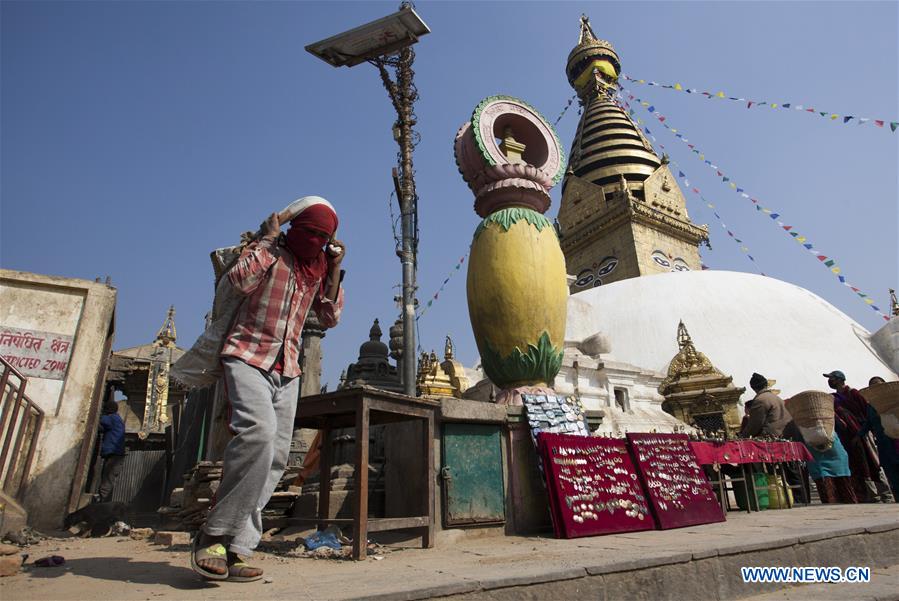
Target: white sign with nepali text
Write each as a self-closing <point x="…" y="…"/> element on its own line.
<point x="36" y="354"/>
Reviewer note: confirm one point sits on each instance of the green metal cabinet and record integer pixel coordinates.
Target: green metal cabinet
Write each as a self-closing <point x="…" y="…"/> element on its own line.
<point x="472" y="473"/>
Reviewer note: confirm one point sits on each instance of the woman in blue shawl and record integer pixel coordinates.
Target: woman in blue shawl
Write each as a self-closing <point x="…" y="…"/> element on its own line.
<point x="830" y="471"/>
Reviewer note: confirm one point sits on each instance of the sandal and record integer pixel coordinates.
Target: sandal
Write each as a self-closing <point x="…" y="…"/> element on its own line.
<point x="215" y="552"/>
<point x="237" y="569"/>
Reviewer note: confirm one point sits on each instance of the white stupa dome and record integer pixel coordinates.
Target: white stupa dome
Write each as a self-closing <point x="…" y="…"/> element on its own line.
<point x="744" y="323"/>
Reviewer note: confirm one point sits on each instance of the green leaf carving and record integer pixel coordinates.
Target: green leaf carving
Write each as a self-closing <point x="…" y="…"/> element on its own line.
<point x="508" y="217"/>
<point x="541" y="363"/>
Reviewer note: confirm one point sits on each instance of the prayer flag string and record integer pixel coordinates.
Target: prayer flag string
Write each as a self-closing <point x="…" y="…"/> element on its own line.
<point x="764" y="103"/>
<point x="564" y="110"/>
<point x="827" y="261"/>
<point x="881" y="123"/>
<point x="434" y="298"/>
<point x="686" y="181"/>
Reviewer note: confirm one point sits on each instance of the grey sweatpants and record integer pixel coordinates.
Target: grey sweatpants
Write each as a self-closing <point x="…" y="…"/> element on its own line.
<point x="263" y="405"/>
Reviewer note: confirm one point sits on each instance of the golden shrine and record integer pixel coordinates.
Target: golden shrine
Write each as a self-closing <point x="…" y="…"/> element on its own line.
<point x="697" y="393"/>
<point x="445" y="378"/>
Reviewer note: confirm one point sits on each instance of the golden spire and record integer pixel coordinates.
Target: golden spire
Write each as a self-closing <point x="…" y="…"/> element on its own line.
<point x="688" y="363"/>
<point x="167" y="335"/>
<point x="587" y="34"/>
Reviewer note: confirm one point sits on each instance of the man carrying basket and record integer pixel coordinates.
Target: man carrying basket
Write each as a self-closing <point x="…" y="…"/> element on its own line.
<point x="281" y="277"/>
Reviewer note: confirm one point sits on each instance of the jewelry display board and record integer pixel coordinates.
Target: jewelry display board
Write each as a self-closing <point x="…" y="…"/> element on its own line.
<point x="678" y="489"/>
<point x="592" y="485"/>
<point x="551" y="413"/>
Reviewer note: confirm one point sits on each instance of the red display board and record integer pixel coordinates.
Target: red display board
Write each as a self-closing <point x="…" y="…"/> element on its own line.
<point x="677" y="488"/>
<point x="749" y="451"/>
<point x="592" y="485"/>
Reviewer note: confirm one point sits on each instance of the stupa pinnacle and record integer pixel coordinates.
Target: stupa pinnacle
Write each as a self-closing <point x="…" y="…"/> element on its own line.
<point x="622" y="213"/>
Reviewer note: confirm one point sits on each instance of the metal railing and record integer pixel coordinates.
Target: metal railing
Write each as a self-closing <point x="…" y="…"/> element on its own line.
<point x="20" y="427"/>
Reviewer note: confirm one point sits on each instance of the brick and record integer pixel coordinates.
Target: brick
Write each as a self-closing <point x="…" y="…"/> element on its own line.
<point x="172" y="538"/>
<point x="141" y="533"/>
<point x="10" y="565"/>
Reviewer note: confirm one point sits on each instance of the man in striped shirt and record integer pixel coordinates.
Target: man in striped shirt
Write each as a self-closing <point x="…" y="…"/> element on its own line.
<point x="282" y="277"/>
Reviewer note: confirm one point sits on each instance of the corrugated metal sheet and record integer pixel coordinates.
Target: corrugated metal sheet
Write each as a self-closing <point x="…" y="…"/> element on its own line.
<point x="142" y="481"/>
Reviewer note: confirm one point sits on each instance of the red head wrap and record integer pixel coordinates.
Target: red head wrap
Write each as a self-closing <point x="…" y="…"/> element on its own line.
<point x="308" y="233"/>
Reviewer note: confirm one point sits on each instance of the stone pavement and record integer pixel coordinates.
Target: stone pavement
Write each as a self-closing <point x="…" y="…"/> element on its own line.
<point x="700" y="562"/>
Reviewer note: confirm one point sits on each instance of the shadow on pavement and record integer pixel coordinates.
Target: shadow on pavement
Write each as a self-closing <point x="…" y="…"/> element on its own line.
<point x="123" y="569"/>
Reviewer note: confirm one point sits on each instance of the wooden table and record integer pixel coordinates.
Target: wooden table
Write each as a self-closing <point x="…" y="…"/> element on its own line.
<point x="364" y="407"/>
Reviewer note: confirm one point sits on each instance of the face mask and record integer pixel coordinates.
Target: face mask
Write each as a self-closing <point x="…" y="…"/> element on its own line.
<point x="305" y="244"/>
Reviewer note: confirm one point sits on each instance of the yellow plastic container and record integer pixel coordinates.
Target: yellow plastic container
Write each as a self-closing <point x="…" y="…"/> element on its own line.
<point x="776" y="498"/>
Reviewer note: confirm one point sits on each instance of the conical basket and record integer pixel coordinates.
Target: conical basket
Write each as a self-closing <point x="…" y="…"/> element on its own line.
<point x="883" y="397"/>
<point x="812" y="411"/>
<point x="885" y="400"/>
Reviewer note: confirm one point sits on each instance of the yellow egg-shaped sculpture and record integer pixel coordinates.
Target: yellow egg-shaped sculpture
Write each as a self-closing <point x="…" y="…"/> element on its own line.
<point x="517" y="295"/>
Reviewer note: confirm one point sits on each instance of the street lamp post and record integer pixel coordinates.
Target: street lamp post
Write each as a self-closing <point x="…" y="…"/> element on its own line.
<point x="387" y="43"/>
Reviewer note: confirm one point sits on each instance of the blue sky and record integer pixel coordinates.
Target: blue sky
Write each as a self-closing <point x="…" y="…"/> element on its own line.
<point x="138" y="136"/>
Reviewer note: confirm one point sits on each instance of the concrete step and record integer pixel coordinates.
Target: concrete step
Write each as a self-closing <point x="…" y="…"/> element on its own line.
<point x="884" y="586"/>
<point x="699" y="562"/>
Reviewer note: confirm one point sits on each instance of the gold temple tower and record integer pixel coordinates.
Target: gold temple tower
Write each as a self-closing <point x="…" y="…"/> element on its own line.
<point x="622" y="213"/>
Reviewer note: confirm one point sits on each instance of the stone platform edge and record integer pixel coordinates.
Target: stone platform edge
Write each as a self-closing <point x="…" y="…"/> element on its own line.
<point x="681" y="576"/>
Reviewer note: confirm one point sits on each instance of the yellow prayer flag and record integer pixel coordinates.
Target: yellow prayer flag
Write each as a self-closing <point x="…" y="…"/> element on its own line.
<point x="801" y="239"/>
<point x="836" y="270"/>
<point x="720" y="94"/>
<point x="869" y="301"/>
<point x="733" y="185"/>
<point x="702" y="157"/>
<point x="766" y="210"/>
<point x="677" y="86"/>
<point x="834" y="116"/>
<point x="774" y="105"/>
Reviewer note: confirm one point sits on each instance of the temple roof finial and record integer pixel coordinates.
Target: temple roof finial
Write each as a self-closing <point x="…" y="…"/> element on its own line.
<point x="586" y="34"/>
<point x="167" y="334"/>
<point x="894" y="302"/>
<point x="374" y="333"/>
<point x="683" y="336"/>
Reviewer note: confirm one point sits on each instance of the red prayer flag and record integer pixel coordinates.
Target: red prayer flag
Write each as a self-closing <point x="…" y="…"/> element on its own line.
<point x="878" y="123"/>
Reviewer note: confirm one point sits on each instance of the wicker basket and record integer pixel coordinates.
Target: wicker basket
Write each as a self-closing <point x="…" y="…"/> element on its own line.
<point x="885" y="400"/>
<point x="813" y="412"/>
<point x="883" y="397"/>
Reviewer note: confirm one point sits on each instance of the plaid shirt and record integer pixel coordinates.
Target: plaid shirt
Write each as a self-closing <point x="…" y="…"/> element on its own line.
<point x="272" y="315"/>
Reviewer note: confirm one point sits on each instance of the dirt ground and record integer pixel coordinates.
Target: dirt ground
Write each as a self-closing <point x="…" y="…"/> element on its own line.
<point x="122" y="568"/>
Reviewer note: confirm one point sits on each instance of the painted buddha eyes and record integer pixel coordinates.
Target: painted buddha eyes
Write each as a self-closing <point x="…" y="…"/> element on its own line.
<point x="608" y="266"/>
<point x="584" y="278"/>
<point x="660" y="258"/>
<point x="592" y="276"/>
<point x="676" y="264"/>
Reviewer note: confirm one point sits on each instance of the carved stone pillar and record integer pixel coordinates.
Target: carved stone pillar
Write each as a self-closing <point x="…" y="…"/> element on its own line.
<point x="311" y="378"/>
